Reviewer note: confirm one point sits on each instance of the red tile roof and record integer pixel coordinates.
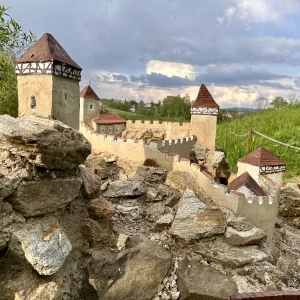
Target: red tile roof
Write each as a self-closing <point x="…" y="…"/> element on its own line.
<point x="88" y="92"/>
<point x="261" y="157"/>
<point x="47" y="48"/>
<point x="109" y="118"/>
<point x="204" y="98"/>
<point x="246" y="180"/>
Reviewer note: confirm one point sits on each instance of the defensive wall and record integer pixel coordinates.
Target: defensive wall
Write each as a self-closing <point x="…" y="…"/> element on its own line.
<point x="174" y="130"/>
<point x="183" y="174"/>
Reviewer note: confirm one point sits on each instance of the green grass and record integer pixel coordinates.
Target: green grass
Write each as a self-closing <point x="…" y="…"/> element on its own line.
<point x="282" y="125"/>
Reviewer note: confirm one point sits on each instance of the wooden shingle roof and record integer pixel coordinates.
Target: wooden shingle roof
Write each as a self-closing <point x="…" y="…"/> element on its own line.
<point x="47" y="48"/>
<point x="204" y="98"/>
<point x="246" y="180"/>
<point x="89" y="93"/>
<point x="262" y="157"/>
<point x="109" y="118"/>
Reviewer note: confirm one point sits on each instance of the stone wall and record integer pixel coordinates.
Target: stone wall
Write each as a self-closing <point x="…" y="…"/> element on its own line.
<point x="173" y="130"/>
<point x="183" y="174"/>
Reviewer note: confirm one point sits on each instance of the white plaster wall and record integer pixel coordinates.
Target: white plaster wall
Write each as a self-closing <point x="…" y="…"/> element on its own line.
<point x="277" y="177"/>
<point x="252" y="170"/>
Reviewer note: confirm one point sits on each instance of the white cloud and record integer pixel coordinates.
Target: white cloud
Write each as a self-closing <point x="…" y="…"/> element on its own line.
<point x="258" y="11"/>
<point x="171" y="69"/>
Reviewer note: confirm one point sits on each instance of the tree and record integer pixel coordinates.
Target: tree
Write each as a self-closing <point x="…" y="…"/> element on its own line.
<point x="293" y="98"/>
<point x="279" y="103"/>
<point x="13" y="42"/>
<point x="261" y="103"/>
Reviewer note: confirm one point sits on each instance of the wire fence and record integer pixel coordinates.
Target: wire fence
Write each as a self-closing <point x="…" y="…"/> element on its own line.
<point x="263" y="135"/>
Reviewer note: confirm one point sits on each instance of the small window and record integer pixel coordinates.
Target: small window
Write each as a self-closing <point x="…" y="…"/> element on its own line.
<point x="102" y="129"/>
<point x="91" y="106"/>
<point x="66" y="96"/>
<point x="32" y="102"/>
<point x="117" y="128"/>
<point x="110" y="129"/>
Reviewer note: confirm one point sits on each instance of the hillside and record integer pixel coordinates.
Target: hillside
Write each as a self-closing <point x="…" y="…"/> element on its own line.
<point x="282" y="125"/>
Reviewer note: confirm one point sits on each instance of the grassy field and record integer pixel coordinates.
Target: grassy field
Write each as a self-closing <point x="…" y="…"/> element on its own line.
<point x="282" y="125"/>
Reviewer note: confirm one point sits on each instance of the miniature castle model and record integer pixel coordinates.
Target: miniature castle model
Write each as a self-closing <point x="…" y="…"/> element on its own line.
<point x="48" y="82"/>
<point x="48" y="86"/>
<point x="94" y="114"/>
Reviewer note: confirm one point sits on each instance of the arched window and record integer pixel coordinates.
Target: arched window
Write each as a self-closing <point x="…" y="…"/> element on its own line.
<point x="102" y="129"/>
<point x="91" y="106"/>
<point x="110" y="129"/>
<point x="117" y="128"/>
<point x="32" y="102"/>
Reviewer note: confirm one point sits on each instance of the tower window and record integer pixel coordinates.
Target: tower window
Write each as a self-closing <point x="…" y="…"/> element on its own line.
<point x="66" y="96"/>
<point x="91" y="106"/>
<point x="32" y="102"/>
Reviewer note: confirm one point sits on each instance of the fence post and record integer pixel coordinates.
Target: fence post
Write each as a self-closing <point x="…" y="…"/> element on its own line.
<point x="249" y="139"/>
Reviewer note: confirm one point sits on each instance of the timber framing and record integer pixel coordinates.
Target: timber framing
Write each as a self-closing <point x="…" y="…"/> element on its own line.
<point x="50" y="67"/>
<point x="271" y="169"/>
<point x="213" y="111"/>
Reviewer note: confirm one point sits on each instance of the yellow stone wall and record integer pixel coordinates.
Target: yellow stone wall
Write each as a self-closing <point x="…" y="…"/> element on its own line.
<point x="204" y="127"/>
<point x="39" y="86"/>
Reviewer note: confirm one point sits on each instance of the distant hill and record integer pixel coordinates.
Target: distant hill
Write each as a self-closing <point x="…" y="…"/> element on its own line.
<point x="241" y="109"/>
<point x="282" y="125"/>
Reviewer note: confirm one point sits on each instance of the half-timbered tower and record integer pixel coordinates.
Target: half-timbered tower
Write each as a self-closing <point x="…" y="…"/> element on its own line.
<point x="90" y="106"/>
<point x="48" y="82"/>
<point x="262" y="162"/>
<point x="204" y="112"/>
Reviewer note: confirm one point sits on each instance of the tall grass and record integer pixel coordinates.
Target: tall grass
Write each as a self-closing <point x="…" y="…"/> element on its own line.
<point x="282" y="125"/>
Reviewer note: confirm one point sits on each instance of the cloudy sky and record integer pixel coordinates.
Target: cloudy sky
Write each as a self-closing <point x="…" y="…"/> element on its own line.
<point x="148" y="49"/>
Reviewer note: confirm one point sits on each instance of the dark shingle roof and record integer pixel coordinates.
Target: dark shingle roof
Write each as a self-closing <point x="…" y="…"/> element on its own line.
<point x="261" y="157"/>
<point x="246" y="180"/>
<point x="88" y="92"/>
<point x="47" y="48"/>
<point x="204" y="98"/>
<point x="109" y="118"/>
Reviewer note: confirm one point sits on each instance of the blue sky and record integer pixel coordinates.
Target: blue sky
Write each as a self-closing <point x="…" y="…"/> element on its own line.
<point x="146" y="50"/>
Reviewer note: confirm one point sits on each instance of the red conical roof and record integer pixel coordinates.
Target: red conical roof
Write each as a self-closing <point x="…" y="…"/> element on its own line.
<point x="88" y="92"/>
<point x="262" y="157"/>
<point x="204" y="98"/>
<point x="47" y="48"/>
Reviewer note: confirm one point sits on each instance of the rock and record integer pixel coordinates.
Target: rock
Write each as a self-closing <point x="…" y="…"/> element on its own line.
<point x="34" y="198"/>
<point x="154" y="211"/>
<point x="197" y="281"/>
<point x="164" y="222"/>
<point x="198" y="152"/>
<point x="99" y="208"/>
<point x="46" y="250"/>
<point x="239" y="223"/>
<point x="217" y="165"/>
<point x="289" y="205"/>
<point x="90" y="182"/>
<point x="254" y="236"/>
<point x="151" y="174"/>
<point x="153" y="195"/>
<point x="124" y="189"/>
<point x="121" y="242"/>
<point x="228" y="256"/>
<point x="145" y="266"/>
<point x="130" y="209"/>
<point x="194" y="220"/>
<point x="104" y="186"/>
<point x="46" y="143"/>
<point x="9" y="220"/>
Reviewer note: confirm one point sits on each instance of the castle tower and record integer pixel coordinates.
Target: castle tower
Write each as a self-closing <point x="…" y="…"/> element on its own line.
<point x="48" y="82"/>
<point x="90" y="106"/>
<point x="262" y="162"/>
<point x="204" y="112"/>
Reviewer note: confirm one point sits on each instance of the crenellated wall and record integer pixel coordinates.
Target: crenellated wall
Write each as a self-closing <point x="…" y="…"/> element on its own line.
<point x="173" y="129"/>
<point x="261" y="211"/>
